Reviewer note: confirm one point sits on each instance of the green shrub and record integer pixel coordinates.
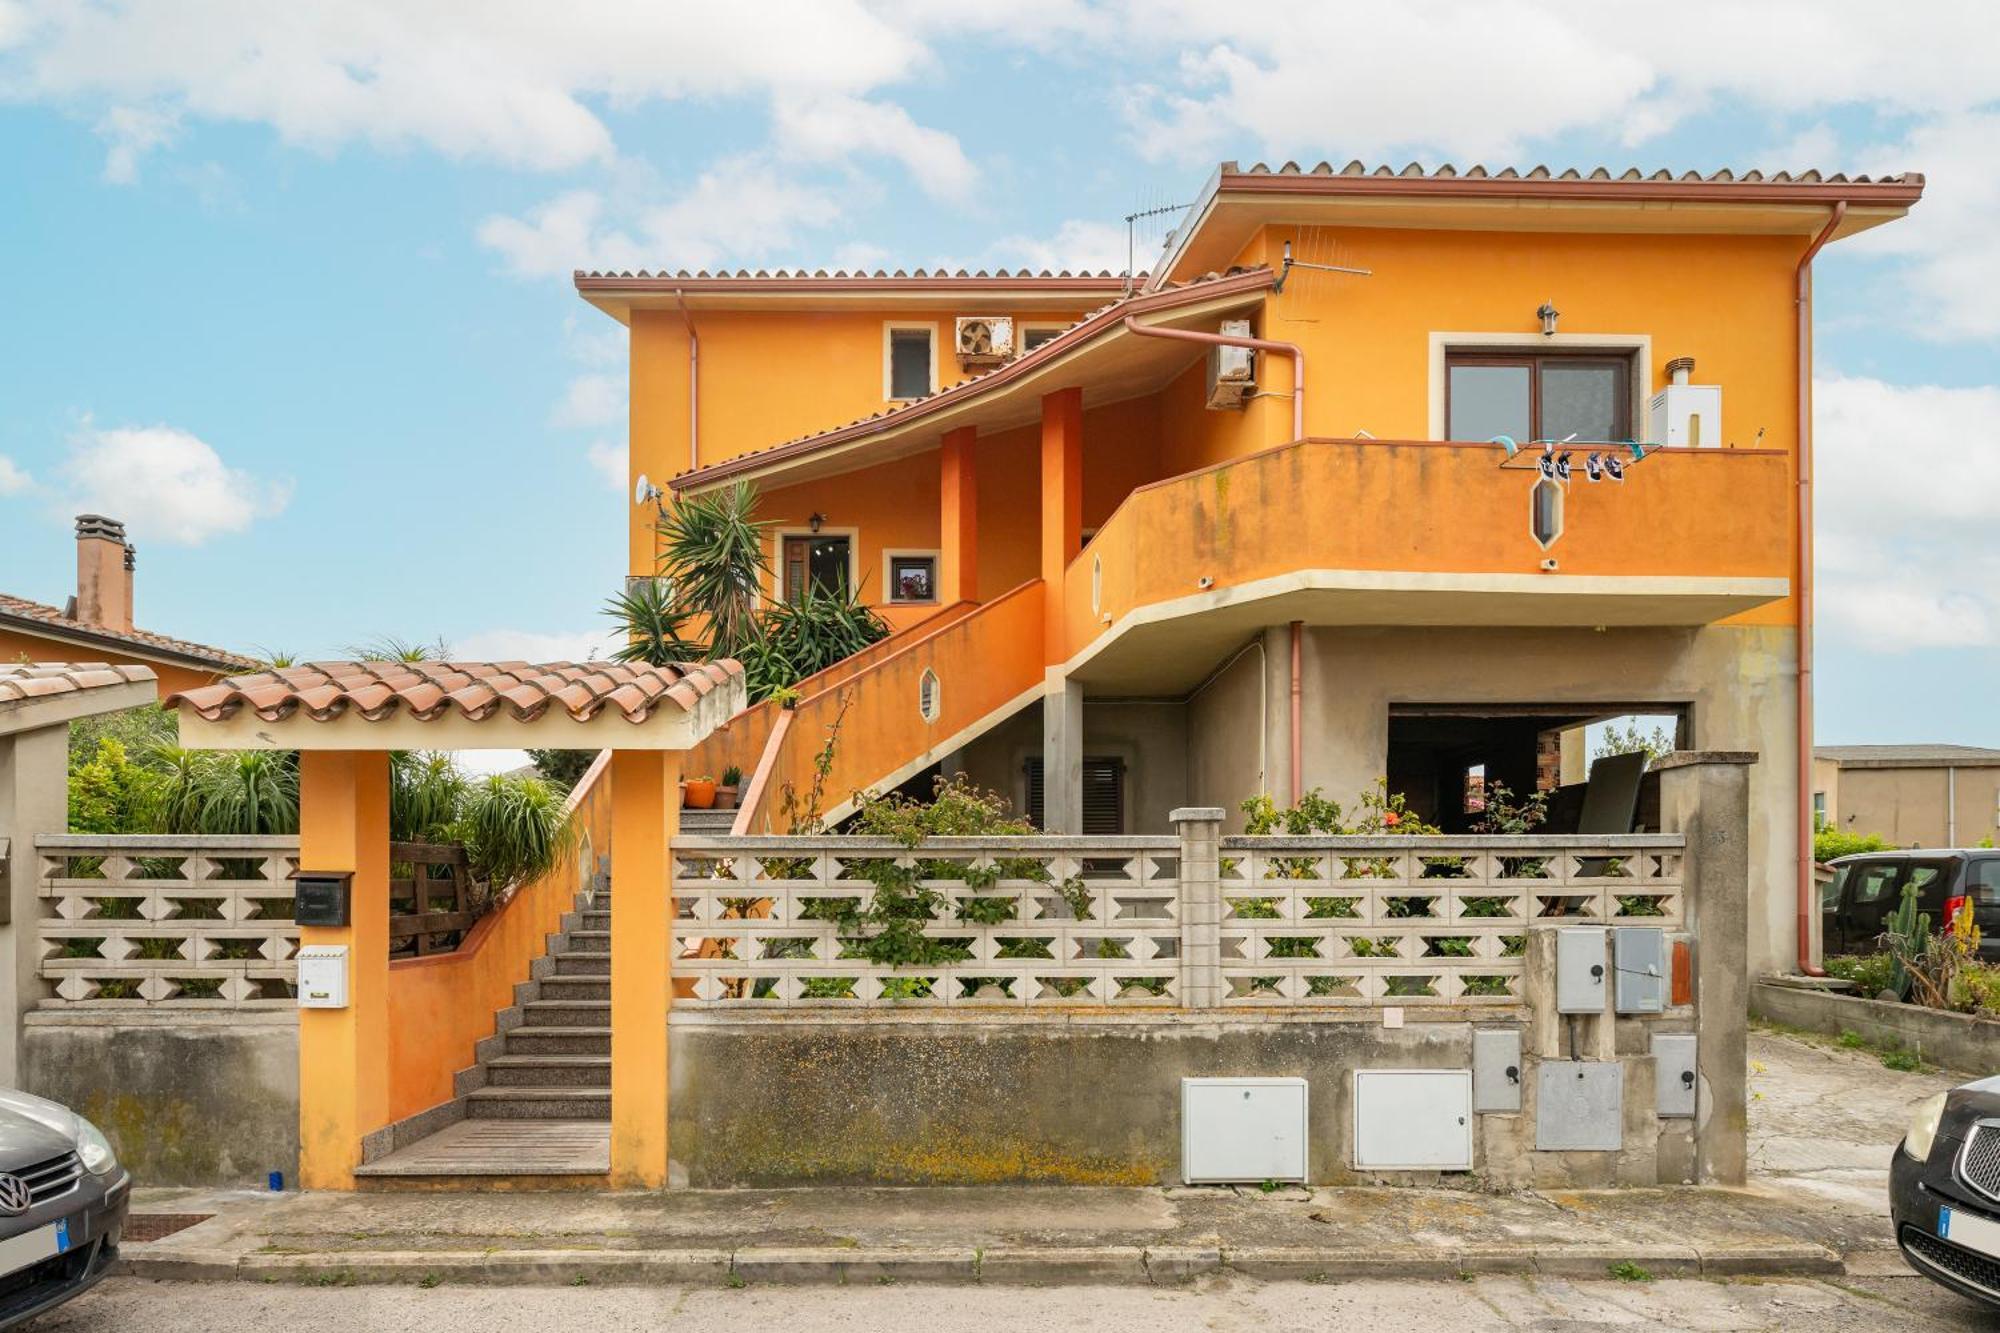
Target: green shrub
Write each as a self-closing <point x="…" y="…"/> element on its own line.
<point x="1871" y="973"/>
<point x="1830" y="842"/>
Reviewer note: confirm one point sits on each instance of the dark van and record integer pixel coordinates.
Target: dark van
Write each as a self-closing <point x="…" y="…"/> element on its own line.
<point x="1866" y="888"/>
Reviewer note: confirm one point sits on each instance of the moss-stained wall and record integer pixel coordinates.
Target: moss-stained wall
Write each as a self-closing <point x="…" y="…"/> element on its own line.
<point x="186" y="1098"/>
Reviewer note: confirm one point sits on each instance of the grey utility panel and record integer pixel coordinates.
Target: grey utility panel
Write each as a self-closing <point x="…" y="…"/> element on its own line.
<point x="1639" y="954"/>
<point x="1581" y="965"/>
<point x="1674" y="1073"/>
<point x="1579" y="1105"/>
<point x="1496" y="1069"/>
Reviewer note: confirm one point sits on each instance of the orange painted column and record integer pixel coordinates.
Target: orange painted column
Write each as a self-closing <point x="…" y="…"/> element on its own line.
<point x="1062" y="507"/>
<point x="344" y="1053"/>
<point x="958" y="518"/>
<point x="645" y="815"/>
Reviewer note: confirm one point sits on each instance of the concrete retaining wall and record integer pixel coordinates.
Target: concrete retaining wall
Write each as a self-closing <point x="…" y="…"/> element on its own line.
<point x="1956" y="1041"/>
<point x="187" y="1098"/>
<point x="1087" y="1099"/>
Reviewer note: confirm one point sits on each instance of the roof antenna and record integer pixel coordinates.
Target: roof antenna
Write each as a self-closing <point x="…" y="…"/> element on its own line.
<point x="1131" y="221"/>
<point x="1290" y="264"/>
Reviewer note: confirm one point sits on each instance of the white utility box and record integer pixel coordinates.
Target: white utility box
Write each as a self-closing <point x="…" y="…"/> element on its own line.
<point x="1686" y="415"/>
<point x="1242" y="1129"/>
<point x="323" y="976"/>
<point x="1413" y="1119"/>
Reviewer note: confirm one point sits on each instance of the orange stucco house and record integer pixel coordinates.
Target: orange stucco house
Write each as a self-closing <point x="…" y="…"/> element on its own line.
<point x="1273" y="517"/>
<point x="97" y="626"/>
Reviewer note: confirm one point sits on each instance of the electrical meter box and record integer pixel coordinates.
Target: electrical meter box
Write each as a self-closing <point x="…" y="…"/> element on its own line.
<point x="320" y="897"/>
<point x="1674" y="1073"/>
<point x="1496" y="1069"/>
<point x="1242" y="1129"/>
<point x="1413" y="1119"/>
<point x="1581" y="965"/>
<point x="323" y="976"/>
<point x="1639" y="953"/>
<point x="1579" y="1105"/>
<point x="1686" y="415"/>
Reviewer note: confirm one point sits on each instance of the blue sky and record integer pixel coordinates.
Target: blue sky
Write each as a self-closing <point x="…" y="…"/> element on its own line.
<point x="286" y="287"/>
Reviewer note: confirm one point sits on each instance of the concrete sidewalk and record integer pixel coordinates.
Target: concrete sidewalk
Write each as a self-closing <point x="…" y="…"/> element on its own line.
<point x="1823" y="1122"/>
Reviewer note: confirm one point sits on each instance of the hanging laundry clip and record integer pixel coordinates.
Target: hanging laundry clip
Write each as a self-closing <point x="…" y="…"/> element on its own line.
<point x="1593" y="467"/>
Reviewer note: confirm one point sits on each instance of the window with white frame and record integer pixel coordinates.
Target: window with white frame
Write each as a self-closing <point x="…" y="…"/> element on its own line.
<point x="909" y="361"/>
<point x="1034" y="335"/>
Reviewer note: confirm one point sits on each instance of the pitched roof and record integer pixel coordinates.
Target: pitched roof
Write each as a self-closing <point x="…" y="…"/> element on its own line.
<point x="22" y="682"/>
<point x="1536" y="178"/>
<point x="33" y="617"/>
<point x="474" y="691"/>
<point x="798" y="278"/>
<point x="1099" y="321"/>
<point x="1909" y="756"/>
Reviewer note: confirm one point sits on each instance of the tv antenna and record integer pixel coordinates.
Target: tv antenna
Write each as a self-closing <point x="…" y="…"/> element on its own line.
<point x="644" y="490"/>
<point x="1291" y="263"/>
<point x="1132" y="221"/>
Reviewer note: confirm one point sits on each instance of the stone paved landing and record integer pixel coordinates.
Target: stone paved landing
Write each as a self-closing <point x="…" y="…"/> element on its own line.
<point x="503" y="1148"/>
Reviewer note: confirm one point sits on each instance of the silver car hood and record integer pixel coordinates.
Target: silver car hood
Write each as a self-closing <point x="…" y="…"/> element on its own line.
<point x="33" y="1129"/>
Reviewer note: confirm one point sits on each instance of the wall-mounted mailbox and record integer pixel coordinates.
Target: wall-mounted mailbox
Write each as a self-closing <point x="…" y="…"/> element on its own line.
<point x="1674" y="1073"/>
<point x="320" y="897"/>
<point x="1496" y="1069"/>
<point x="323" y="976"/>
<point x="1581" y="964"/>
<point x="1579" y="1106"/>
<point x="1640" y="955"/>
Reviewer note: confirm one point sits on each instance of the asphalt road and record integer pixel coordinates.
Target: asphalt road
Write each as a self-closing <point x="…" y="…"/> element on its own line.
<point x="1545" y="1305"/>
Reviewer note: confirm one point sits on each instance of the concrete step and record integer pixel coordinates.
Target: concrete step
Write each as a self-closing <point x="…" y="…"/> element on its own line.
<point x="590" y="941"/>
<point x="576" y="988"/>
<point x="707" y="823"/>
<point x="581" y="964"/>
<point x="566" y="1013"/>
<point x="554" y="1039"/>
<point x="539" y="1104"/>
<point x="549" y="1071"/>
<point x="596" y="920"/>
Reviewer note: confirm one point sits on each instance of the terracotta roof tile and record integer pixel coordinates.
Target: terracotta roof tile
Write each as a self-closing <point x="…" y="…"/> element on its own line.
<point x="1092" y="323"/>
<point x="856" y="275"/>
<point x="22" y="681"/>
<point x="1447" y="171"/>
<point x="21" y="613"/>
<point x="474" y="690"/>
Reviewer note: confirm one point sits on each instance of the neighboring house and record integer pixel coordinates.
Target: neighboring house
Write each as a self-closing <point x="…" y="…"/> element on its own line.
<point x="1138" y="559"/>
<point x="97" y="626"/>
<point x="1913" y="795"/>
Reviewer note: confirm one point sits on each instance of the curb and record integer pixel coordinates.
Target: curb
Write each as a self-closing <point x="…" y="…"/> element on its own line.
<point x="1000" y="1265"/>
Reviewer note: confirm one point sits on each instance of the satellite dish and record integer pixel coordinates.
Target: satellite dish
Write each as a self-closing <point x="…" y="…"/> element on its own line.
<point x="644" y="490"/>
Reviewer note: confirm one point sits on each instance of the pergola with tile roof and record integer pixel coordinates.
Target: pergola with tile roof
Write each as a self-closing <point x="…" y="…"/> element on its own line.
<point x="344" y="718"/>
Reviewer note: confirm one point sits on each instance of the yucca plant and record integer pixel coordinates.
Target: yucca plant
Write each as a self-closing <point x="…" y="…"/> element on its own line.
<point x="713" y="550"/>
<point x="652" y="625"/>
<point x="515" y="828"/>
<point x="822" y="627"/>
<point x="249" y="792"/>
<point x="427" y="793"/>
<point x="390" y="648"/>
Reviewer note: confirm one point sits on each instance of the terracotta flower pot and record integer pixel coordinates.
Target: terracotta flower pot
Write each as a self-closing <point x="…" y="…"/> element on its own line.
<point x="698" y="793"/>
<point x="725" y="798"/>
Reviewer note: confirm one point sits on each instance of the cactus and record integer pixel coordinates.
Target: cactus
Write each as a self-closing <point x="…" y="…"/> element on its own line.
<point x="1909" y="937"/>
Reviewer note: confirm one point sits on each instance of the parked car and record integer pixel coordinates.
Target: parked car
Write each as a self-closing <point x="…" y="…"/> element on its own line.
<point x="1944" y="1190"/>
<point x="1867" y="887"/>
<point x="63" y="1200"/>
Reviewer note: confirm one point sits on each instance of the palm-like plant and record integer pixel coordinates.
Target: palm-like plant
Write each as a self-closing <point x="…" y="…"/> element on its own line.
<point x="808" y="635"/>
<point x="249" y="792"/>
<point x="652" y="625"/>
<point x="392" y="648"/>
<point x="713" y="549"/>
<point x="426" y="793"/>
<point x="515" y="828"/>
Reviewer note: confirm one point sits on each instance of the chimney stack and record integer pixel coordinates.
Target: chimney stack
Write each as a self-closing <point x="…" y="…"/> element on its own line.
<point x="103" y="573"/>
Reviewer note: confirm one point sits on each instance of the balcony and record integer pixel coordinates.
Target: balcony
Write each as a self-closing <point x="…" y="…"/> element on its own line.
<point x="1366" y="532"/>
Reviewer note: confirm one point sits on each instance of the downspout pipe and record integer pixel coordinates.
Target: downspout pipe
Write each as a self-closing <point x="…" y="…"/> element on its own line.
<point x="694" y="383"/>
<point x="1298" y="710"/>
<point x="1291" y="350"/>
<point x="1808" y="897"/>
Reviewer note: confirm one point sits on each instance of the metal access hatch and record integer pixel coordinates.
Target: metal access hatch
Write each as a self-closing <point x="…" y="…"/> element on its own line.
<point x="1242" y="1129"/>
<point x="1413" y="1119"/>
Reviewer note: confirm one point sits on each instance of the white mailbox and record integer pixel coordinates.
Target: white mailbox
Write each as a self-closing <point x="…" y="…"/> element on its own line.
<point x="323" y="976"/>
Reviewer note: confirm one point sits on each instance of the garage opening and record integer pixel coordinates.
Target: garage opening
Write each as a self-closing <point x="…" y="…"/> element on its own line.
<point x="1446" y="758"/>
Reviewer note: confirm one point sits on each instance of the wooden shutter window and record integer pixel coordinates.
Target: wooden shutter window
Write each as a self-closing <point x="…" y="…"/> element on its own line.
<point x="1103" y="797"/>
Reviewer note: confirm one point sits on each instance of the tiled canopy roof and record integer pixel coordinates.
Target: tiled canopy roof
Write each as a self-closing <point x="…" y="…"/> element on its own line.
<point x="1416" y="171"/>
<point x="20" y="613"/>
<point x="1099" y="320"/>
<point x="25" y="681"/>
<point x="476" y="691"/>
<point x="861" y="275"/>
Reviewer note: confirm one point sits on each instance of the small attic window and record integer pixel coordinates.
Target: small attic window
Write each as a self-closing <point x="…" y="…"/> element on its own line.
<point x="1034" y="335"/>
<point x="911" y="354"/>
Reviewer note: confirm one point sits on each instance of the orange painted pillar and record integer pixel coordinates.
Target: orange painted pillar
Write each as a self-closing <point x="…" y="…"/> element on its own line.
<point x="1062" y="508"/>
<point x="344" y="1053"/>
<point x="958" y="518"/>
<point x="645" y="815"/>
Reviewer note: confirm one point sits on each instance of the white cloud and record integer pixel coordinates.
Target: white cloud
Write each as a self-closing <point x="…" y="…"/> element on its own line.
<point x="13" y="481"/>
<point x="1949" y="240"/>
<point x="133" y="132"/>
<point x="591" y="400"/>
<point x="521" y="86"/>
<point x="612" y="461"/>
<point x="526" y="645"/>
<point x="165" y="484"/>
<point x="1907" y="514"/>
<point x="1077" y="244"/>
<point x="829" y="129"/>
<point x="483" y="763"/>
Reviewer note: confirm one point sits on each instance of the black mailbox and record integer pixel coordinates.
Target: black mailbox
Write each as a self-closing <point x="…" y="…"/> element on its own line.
<point x="319" y="897"/>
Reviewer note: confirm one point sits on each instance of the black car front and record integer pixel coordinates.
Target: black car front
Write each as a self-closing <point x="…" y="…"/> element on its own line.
<point x="63" y="1204"/>
<point x="1944" y="1190"/>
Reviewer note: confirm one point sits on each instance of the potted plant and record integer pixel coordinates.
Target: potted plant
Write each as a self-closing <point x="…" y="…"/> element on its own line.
<point x="732" y="782"/>
<point x="698" y="793"/>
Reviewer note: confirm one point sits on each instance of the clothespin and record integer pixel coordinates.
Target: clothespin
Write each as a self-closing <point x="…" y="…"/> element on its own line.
<point x="1593" y="467"/>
